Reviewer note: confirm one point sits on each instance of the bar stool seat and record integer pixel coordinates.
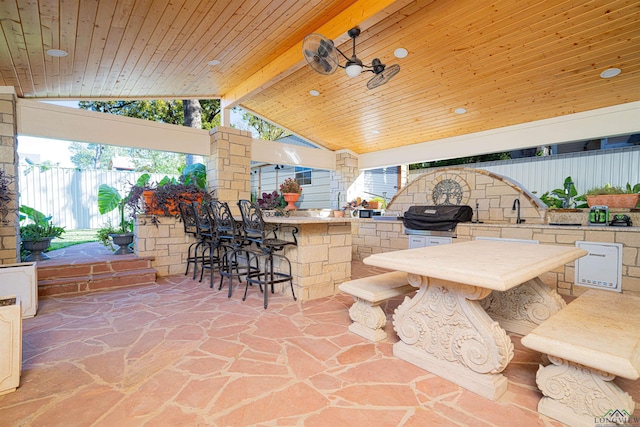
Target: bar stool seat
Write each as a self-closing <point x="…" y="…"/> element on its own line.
<point x="265" y="237"/>
<point x="236" y="257"/>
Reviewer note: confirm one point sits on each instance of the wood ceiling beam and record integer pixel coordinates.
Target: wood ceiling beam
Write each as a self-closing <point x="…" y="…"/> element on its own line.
<point x="365" y="13"/>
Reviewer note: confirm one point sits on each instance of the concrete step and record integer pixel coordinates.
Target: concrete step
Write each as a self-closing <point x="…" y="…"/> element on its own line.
<point x="93" y="276"/>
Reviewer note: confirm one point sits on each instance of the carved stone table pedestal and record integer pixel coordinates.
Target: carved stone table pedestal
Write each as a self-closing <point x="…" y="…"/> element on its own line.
<point x="444" y="330"/>
<point x="521" y="309"/>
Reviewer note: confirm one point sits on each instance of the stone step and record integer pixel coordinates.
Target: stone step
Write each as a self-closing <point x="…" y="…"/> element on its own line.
<point x="93" y="276"/>
<point x="92" y="267"/>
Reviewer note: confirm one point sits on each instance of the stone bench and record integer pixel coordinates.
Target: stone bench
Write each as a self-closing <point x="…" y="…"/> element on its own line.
<point x="368" y="292"/>
<point x="590" y="342"/>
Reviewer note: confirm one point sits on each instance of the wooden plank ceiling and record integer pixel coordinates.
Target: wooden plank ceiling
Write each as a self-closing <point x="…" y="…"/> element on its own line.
<point x="506" y="62"/>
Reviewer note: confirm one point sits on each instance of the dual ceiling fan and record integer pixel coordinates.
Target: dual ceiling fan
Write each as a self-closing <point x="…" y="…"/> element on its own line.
<point x="322" y="56"/>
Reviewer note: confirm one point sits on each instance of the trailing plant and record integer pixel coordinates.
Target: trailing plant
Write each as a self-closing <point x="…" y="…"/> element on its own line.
<point x="191" y="186"/>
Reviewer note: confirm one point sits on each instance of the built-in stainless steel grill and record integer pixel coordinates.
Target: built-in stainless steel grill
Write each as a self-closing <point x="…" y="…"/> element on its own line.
<point x="435" y="220"/>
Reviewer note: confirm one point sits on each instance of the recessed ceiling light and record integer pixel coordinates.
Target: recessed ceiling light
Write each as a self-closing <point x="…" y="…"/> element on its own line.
<point x="610" y="72"/>
<point x="460" y="110"/>
<point x="214" y="62"/>
<point x="375" y="132"/>
<point x="400" y="52"/>
<point x="56" y="52"/>
<point x="314" y="92"/>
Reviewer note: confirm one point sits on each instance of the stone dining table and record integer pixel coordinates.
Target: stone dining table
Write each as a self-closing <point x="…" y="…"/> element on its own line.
<point x="446" y="328"/>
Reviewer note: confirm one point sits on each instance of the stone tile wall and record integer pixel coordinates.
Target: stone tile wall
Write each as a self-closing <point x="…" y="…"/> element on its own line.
<point x="9" y="226"/>
<point x="166" y="242"/>
<point x="493" y="193"/>
<point x="229" y="164"/>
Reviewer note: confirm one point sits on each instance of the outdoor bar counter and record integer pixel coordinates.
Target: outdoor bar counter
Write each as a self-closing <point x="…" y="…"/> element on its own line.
<point x="322" y="259"/>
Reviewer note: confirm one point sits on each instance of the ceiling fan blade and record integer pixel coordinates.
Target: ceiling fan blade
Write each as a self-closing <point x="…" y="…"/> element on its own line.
<point x="386" y="74"/>
<point x="320" y="54"/>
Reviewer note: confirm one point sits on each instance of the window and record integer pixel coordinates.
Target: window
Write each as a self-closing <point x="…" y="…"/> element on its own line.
<point x="303" y="176"/>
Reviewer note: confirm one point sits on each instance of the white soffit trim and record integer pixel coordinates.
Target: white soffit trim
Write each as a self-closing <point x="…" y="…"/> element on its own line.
<point x="294" y="155"/>
<point x="73" y="124"/>
<point x="617" y="120"/>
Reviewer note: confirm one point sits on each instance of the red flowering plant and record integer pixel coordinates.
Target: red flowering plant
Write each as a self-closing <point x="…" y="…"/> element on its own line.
<point x="290" y="185"/>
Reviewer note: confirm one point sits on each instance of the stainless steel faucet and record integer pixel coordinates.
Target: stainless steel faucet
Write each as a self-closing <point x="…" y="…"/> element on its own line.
<point x="516" y="203"/>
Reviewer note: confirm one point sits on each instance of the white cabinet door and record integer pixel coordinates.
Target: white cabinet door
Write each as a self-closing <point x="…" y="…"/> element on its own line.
<point x="417" y="242"/>
<point x="435" y="241"/>
<point x="422" y="241"/>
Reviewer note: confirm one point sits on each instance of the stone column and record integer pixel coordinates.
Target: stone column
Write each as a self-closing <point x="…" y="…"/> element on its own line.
<point x="10" y="226"/>
<point x="341" y="179"/>
<point x="229" y="164"/>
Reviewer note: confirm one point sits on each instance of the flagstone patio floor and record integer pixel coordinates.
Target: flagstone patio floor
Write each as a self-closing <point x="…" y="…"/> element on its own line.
<point x="178" y="353"/>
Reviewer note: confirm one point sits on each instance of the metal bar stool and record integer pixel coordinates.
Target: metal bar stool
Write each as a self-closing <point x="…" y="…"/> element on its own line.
<point x="205" y="220"/>
<point x="204" y="234"/>
<point x="266" y="240"/>
<point x="236" y="259"/>
<point x="189" y="223"/>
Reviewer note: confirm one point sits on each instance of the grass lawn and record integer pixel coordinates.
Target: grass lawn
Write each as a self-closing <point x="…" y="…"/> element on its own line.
<point x="74" y="237"/>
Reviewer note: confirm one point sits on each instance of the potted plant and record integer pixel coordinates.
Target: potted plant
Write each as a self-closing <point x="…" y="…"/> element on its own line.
<point x="338" y="213"/>
<point x="614" y="196"/>
<point x="109" y="199"/>
<point x="271" y="204"/>
<point x="291" y="191"/>
<point x="37" y="233"/>
<point x="565" y="197"/>
<point x="163" y="198"/>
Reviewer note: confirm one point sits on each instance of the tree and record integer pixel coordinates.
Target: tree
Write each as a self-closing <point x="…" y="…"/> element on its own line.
<point x="266" y="130"/>
<point x="171" y="112"/>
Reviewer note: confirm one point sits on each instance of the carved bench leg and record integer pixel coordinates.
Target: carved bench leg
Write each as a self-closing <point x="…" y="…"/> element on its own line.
<point x="368" y="320"/>
<point x="580" y="396"/>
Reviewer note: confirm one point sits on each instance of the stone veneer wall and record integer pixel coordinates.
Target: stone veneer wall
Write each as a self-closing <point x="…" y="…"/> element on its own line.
<point x="9" y="228"/>
<point x="344" y="175"/>
<point x="229" y="164"/>
<point x="494" y="194"/>
<point x="166" y="243"/>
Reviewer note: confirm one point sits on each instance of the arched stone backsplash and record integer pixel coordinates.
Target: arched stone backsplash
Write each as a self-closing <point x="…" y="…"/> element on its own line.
<point x="495" y="195"/>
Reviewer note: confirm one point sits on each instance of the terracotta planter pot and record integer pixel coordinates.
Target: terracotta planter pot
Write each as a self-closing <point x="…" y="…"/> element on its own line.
<point x="373" y="205"/>
<point x="291" y="198"/>
<point x="628" y="201"/>
<point x="151" y="206"/>
<point x="338" y="214"/>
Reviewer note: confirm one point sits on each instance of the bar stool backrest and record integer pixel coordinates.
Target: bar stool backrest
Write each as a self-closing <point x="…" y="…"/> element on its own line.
<point x="202" y="222"/>
<point x="254" y="225"/>
<point x="225" y="223"/>
<point x="188" y="220"/>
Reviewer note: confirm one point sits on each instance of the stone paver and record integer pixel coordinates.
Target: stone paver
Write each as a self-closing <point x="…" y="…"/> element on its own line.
<point x="180" y="353"/>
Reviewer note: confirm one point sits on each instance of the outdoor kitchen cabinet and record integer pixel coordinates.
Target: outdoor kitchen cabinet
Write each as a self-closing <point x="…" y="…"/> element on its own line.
<point x="422" y="241"/>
